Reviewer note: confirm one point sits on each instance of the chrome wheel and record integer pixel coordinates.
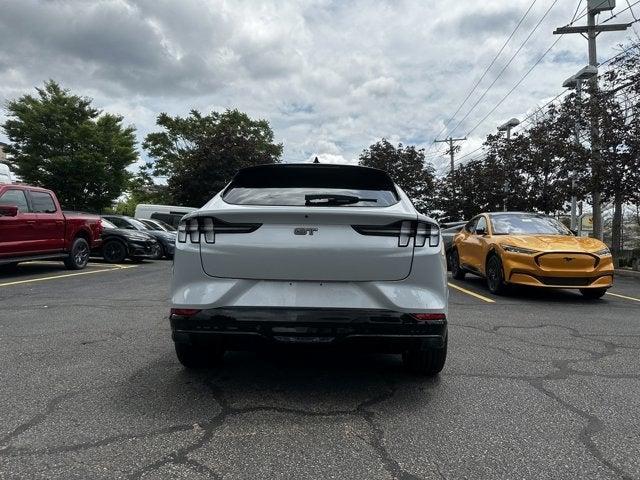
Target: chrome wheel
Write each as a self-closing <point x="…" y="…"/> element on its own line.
<point x="81" y="254"/>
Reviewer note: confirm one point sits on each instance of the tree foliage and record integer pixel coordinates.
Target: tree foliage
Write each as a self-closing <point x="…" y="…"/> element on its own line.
<point x="406" y="165"/>
<point x="199" y="154"/>
<point x="60" y="141"/>
<point x="593" y="140"/>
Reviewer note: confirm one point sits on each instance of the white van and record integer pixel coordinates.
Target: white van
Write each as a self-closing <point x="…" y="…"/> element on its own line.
<point x="5" y="174"/>
<point x="170" y="214"/>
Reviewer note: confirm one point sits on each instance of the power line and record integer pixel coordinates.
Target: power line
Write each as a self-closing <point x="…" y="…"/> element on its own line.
<point x="515" y="86"/>
<point x="484" y="74"/>
<point x="614" y="15"/>
<point x="573" y="19"/>
<point x="561" y="93"/>
<point x="586" y="12"/>
<point x="505" y="67"/>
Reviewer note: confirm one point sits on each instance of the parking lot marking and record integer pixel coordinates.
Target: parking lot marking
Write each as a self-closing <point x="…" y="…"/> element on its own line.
<point x="473" y="294"/>
<point x="623" y="296"/>
<point x="54" y="277"/>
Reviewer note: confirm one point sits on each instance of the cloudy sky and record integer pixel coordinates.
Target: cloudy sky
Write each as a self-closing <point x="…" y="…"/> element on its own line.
<point x="331" y="77"/>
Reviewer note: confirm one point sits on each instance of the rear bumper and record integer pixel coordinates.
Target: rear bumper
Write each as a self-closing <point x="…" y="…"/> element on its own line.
<point x="375" y="330"/>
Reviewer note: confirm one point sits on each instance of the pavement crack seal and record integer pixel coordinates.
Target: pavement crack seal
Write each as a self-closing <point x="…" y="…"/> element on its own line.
<point x="593" y="426"/>
<point x="35" y="420"/>
<point x="362" y="410"/>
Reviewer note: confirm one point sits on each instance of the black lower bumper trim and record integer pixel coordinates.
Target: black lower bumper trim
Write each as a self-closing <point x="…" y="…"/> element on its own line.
<point x="239" y="328"/>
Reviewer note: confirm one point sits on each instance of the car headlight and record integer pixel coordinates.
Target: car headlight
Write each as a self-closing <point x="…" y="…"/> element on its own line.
<point x="514" y="249"/>
<point x="605" y="252"/>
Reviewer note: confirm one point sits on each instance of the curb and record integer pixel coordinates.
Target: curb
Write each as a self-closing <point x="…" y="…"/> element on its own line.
<point x="621" y="272"/>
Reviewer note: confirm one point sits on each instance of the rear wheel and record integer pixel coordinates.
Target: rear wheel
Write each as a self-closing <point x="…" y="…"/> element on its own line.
<point x="78" y="255"/>
<point x="114" y="251"/>
<point x="495" y="275"/>
<point x="593" y="293"/>
<point x="199" y="356"/>
<point x="425" y="362"/>
<point x="456" y="270"/>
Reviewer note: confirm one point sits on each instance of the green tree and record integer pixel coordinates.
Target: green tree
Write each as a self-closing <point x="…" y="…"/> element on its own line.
<point x="60" y="141"/>
<point x="200" y="154"/>
<point x="406" y="165"/>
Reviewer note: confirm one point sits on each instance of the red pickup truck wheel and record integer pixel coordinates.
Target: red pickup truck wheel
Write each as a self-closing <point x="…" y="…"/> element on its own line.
<point x="78" y="255"/>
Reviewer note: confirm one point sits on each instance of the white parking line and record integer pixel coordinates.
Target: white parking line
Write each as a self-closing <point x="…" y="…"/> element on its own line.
<point x="624" y="296"/>
<point x="473" y="294"/>
<point x="54" y="277"/>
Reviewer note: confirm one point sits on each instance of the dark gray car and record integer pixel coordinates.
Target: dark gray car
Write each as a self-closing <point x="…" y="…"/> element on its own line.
<point x="447" y="238"/>
<point x="166" y="240"/>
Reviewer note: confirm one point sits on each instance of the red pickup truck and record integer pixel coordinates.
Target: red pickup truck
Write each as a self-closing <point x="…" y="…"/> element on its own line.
<point x="33" y="227"/>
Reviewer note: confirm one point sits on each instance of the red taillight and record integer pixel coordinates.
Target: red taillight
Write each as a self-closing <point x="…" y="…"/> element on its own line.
<point x="429" y="316"/>
<point x="184" y="312"/>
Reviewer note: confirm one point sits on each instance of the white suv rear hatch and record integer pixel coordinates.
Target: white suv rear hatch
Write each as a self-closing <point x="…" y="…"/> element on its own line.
<point x="307" y="222"/>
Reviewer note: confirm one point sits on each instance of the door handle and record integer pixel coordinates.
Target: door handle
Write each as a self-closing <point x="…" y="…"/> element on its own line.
<point x="31" y="222"/>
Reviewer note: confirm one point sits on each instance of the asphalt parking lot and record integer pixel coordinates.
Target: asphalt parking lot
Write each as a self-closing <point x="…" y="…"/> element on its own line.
<point x="537" y="385"/>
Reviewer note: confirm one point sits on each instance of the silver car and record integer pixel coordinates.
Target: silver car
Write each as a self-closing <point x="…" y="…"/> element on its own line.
<point x="311" y="254"/>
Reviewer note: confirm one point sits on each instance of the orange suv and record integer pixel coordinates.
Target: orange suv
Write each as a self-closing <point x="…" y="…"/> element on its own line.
<point x="530" y="249"/>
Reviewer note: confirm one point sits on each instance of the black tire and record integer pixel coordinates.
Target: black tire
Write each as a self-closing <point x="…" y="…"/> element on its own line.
<point x="78" y="255"/>
<point x="593" y="293"/>
<point x="196" y="357"/>
<point x="457" y="271"/>
<point x="158" y="253"/>
<point x="9" y="267"/>
<point x="495" y="275"/>
<point x="425" y="362"/>
<point x="114" y="251"/>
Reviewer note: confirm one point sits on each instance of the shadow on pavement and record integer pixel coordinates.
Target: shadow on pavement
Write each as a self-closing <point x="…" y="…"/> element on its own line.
<point x="275" y="380"/>
<point x="517" y="292"/>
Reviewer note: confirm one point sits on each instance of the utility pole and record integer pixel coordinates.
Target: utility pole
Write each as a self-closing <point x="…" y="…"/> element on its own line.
<point x="452" y="148"/>
<point x="594" y="7"/>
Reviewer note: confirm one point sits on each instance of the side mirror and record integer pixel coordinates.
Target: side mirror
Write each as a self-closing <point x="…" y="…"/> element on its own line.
<point x="480" y="231"/>
<point x="8" y="210"/>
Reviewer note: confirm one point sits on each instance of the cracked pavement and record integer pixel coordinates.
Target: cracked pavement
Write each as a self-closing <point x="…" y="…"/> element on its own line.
<point x="538" y="385"/>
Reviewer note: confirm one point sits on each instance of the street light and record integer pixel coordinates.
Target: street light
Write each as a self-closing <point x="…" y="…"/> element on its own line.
<point x="575" y="83"/>
<point x="508" y="125"/>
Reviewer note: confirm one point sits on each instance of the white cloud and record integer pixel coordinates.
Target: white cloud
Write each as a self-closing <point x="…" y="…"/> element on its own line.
<point x="332" y="77"/>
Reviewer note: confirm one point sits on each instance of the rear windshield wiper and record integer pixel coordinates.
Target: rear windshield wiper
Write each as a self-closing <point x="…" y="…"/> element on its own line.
<point x="333" y="199"/>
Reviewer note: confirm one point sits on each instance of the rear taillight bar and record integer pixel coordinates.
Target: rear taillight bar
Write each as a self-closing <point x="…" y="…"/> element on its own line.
<point x="405" y="230"/>
<point x="206" y="228"/>
<point x="184" y="312"/>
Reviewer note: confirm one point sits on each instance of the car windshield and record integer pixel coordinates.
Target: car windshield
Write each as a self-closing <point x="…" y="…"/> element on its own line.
<point x="107" y="224"/>
<point x="138" y="224"/>
<point x="152" y="226"/>
<point x="527" y="225"/>
<point x="164" y="225"/>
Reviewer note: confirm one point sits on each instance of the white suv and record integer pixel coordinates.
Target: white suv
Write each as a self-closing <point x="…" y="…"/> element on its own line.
<point x="310" y="254"/>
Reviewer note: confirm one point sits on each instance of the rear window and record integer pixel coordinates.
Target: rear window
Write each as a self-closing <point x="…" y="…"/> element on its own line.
<point x="42" y="202"/>
<point x="311" y="185"/>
